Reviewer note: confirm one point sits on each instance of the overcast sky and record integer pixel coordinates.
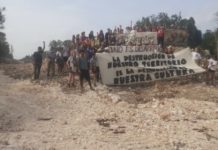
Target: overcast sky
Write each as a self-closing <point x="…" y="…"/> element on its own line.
<point x="29" y="22"/>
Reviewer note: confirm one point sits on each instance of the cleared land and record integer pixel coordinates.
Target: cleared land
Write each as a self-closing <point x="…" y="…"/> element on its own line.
<point x="46" y="115"/>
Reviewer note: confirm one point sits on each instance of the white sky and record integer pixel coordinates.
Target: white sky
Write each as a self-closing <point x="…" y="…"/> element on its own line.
<point x="29" y="22"/>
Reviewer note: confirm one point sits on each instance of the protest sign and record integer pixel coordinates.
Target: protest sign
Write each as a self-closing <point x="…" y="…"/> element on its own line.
<point x="124" y="49"/>
<point x="176" y="37"/>
<point x="140" y="67"/>
<point x="137" y="38"/>
<point x="142" y="38"/>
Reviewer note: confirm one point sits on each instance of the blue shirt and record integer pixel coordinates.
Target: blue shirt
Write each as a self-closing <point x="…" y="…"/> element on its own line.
<point x="83" y="63"/>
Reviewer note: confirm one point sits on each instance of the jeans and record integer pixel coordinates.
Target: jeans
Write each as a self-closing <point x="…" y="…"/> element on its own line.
<point x="37" y="68"/>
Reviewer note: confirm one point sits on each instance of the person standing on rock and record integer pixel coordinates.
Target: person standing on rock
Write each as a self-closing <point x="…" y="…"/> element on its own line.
<point x="37" y="61"/>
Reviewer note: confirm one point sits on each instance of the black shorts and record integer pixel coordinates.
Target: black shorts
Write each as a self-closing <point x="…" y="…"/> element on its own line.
<point x="84" y="74"/>
<point x="65" y="59"/>
<point x="212" y="71"/>
<point x="94" y="70"/>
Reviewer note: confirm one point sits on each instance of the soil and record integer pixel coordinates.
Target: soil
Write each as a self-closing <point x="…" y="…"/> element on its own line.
<point x="47" y="115"/>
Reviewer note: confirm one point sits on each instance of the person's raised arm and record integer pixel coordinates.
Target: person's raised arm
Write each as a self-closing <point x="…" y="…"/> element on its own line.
<point x="43" y="46"/>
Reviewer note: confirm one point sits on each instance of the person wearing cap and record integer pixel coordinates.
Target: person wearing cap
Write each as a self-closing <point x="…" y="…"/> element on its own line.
<point x="37" y="61"/>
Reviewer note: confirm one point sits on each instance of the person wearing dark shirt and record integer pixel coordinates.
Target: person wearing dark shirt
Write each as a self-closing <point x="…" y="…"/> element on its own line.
<point x="84" y="70"/>
<point x="73" y="41"/>
<point x="37" y="61"/>
<point x="91" y="35"/>
<point x="101" y="37"/>
<point x="51" y="55"/>
<point x="107" y="34"/>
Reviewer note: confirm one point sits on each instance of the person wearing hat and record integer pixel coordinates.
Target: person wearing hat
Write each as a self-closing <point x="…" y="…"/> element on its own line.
<point x="37" y="61"/>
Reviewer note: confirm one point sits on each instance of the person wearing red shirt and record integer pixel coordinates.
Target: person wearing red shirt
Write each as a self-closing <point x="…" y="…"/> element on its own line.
<point x="160" y="36"/>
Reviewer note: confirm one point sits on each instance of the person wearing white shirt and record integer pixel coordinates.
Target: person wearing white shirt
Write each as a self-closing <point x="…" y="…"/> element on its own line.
<point x="72" y="65"/>
<point x="58" y="54"/>
<point x="212" y="65"/>
<point x="196" y="56"/>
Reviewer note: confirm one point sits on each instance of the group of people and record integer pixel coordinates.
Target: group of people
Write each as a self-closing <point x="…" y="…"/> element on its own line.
<point x="80" y="57"/>
<point x="208" y="63"/>
<point x="112" y="37"/>
<point x="80" y="62"/>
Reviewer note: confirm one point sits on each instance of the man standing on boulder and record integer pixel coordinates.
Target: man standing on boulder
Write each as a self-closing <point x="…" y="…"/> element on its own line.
<point x="37" y="61"/>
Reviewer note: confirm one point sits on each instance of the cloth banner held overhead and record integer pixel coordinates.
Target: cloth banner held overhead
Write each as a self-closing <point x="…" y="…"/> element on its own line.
<point x="138" y="38"/>
<point x="140" y="67"/>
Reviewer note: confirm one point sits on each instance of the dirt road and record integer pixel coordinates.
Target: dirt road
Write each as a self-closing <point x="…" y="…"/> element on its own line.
<point x="43" y="117"/>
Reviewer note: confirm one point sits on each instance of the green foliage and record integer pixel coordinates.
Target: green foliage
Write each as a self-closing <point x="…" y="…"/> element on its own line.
<point x="4" y="46"/>
<point x="173" y="22"/>
<point x="195" y="35"/>
<point x="209" y="42"/>
<point x="55" y="45"/>
<point x="2" y="18"/>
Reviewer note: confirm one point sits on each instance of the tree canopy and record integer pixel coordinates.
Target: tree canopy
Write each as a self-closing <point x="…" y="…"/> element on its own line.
<point x="174" y="21"/>
<point x="210" y="40"/>
<point x="4" y="46"/>
<point x="58" y="44"/>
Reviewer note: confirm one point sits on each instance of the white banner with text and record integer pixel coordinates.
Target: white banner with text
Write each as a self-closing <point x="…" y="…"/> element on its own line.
<point x="140" y="67"/>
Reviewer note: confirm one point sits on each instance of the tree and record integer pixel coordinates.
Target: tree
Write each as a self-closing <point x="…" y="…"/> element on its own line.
<point x="173" y="22"/>
<point x="216" y="16"/>
<point x="67" y="44"/>
<point x="163" y="19"/>
<point x="195" y="35"/>
<point x="216" y="34"/>
<point x="2" y="17"/>
<point x="209" y="42"/>
<point x="56" y="45"/>
<point x="4" y="46"/>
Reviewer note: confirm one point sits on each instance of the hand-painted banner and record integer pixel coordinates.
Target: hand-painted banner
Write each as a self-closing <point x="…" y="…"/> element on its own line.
<point x="138" y="38"/>
<point x="140" y="67"/>
<point x="124" y="49"/>
<point x="176" y="37"/>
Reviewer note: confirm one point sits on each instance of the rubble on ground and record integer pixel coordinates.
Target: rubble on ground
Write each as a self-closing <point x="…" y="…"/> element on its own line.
<point x="177" y="114"/>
